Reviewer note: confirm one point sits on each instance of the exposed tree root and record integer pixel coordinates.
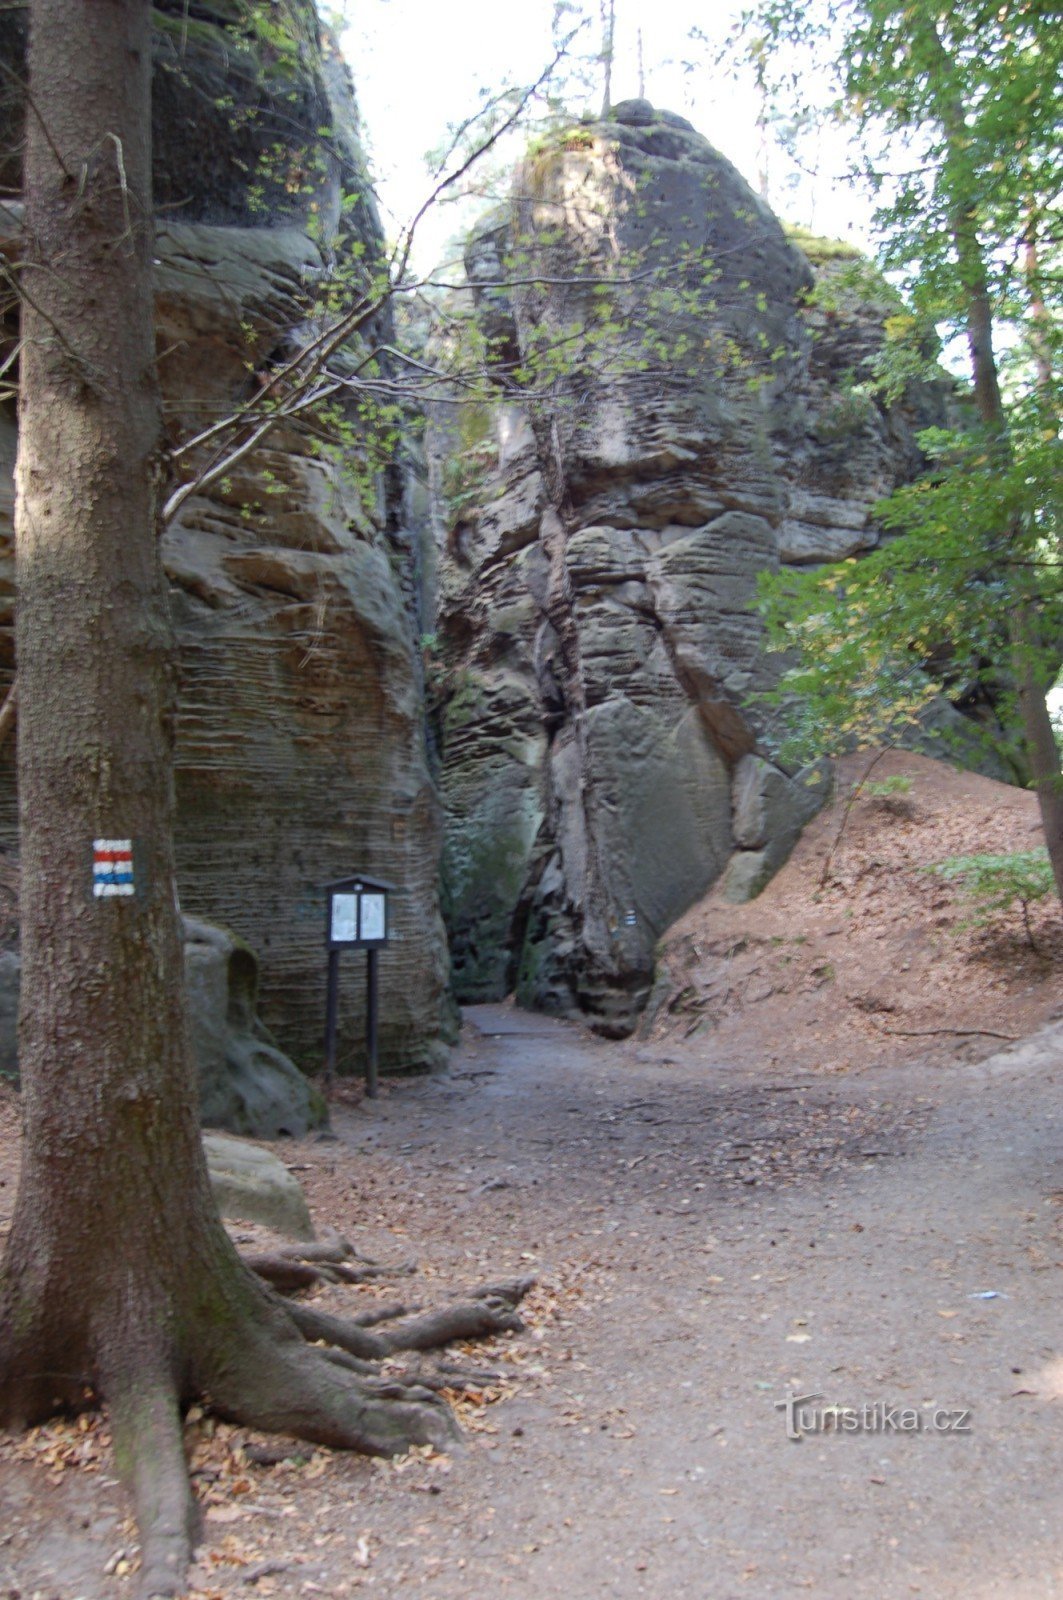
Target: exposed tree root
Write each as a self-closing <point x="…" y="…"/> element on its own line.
<point x="370" y="1319"/>
<point x="290" y="1267"/>
<point x="512" y="1290"/>
<point x="272" y="1364"/>
<point x="451" y="1376"/>
<point x="324" y="1327"/>
<point x="290" y="1387"/>
<point x="285" y="1274"/>
<point x="485" y="1313"/>
<point x="469" y="1319"/>
<point x="149" y="1450"/>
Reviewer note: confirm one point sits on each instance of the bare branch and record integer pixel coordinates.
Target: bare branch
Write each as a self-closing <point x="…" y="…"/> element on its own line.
<point x="224" y="466"/>
<point x="12" y="75"/>
<point x="405" y="247"/>
<point x="539" y="281"/>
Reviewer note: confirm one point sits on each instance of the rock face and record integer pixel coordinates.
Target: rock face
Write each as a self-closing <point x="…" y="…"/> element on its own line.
<point x="246" y="1085"/>
<point x="604" y="757"/>
<point x="300" y="733"/>
<point x="301" y="754"/>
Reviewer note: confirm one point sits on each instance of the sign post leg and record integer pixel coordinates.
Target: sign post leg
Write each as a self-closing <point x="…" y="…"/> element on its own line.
<point x="332" y="1003"/>
<point x="372" y="1008"/>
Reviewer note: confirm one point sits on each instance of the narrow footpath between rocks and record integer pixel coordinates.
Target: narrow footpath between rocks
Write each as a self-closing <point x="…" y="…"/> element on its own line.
<point x="708" y="1240"/>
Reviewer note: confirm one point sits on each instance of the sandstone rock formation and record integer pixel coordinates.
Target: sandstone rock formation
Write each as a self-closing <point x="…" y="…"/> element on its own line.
<point x="246" y="1085"/>
<point x="300" y="738"/>
<point x="605" y="759"/>
<point x="301" y="753"/>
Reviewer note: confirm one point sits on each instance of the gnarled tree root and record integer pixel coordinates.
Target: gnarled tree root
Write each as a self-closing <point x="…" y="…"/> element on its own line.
<point x="290" y="1267"/>
<point x="266" y="1363"/>
<point x="288" y="1386"/>
<point x="149" y="1450"/>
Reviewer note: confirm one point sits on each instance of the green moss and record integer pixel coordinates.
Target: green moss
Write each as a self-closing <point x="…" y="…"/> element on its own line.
<point x="541" y="160"/>
<point x="530" y="969"/>
<point x="466" y="701"/>
<point x="465" y="476"/>
<point x="487" y="869"/>
<point x="189" y="29"/>
<point x="819" y="248"/>
<point x="476" y="426"/>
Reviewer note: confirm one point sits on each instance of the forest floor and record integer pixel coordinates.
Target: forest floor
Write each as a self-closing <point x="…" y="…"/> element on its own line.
<point x="815" y="1176"/>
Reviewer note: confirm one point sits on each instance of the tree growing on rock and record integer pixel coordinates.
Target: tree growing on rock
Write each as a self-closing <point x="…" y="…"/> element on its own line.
<point x="119" y="1282"/>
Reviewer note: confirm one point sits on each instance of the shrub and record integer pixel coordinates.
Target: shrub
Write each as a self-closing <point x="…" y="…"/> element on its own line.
<point x="994" y="883"/>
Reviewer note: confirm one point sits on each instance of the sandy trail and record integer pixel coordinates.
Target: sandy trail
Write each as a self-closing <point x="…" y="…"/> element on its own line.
<point x="710" y="1240"/>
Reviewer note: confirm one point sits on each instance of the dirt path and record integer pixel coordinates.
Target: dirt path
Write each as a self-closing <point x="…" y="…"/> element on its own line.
<point x="709" y="1240"/>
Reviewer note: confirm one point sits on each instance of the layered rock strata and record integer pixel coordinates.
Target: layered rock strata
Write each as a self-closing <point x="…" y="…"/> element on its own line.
<point x="300" y="735"/>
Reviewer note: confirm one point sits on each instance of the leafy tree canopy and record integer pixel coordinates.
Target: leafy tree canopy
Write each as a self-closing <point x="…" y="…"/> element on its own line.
<point x="954" y="111"/>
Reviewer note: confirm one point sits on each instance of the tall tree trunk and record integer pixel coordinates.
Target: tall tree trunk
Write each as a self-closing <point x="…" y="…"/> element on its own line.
<point x="119" y="1280"/>
<point x="608" y="10"/>
<point x="1033" y="675"/>
<point x="1041" y="323"/>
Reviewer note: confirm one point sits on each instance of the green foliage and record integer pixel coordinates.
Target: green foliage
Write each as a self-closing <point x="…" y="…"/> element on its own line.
<point x="995" y="883"/>
<point x="872" y="641"/>
<point x="899" y="70"/>
<point x="954" y="111"/>
<point x="849" y="410"/>
<point x="463" y="478"/>
<point x="887" y="788"/>
<point x="818" y="248"/>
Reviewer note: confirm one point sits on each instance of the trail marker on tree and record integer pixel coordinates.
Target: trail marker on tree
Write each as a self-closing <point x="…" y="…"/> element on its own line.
<point x="112" y="868"/>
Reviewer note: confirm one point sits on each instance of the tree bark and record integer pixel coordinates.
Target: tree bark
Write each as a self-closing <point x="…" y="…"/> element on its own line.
<point x="1033" y="674"/>
<point x="608" y="10"/>
<point x="119" y="1281"/>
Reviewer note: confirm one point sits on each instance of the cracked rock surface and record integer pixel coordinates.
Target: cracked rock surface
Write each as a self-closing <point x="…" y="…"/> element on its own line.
<point x="604" y="757"/>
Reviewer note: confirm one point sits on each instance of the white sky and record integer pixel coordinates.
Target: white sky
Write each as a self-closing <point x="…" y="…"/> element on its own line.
<point x="419" y="65"/>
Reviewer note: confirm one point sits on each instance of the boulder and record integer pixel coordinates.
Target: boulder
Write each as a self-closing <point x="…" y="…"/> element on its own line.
<point x="770" y="808"/>
<point x="252" y="1185"/>
<point x="246" y="1084"/>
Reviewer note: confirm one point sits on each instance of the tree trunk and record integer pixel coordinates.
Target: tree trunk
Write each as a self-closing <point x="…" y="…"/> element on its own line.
<point x="119" y="1280"/>
<point x="1033" y="675"/>
<point x="608" y="10"/>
